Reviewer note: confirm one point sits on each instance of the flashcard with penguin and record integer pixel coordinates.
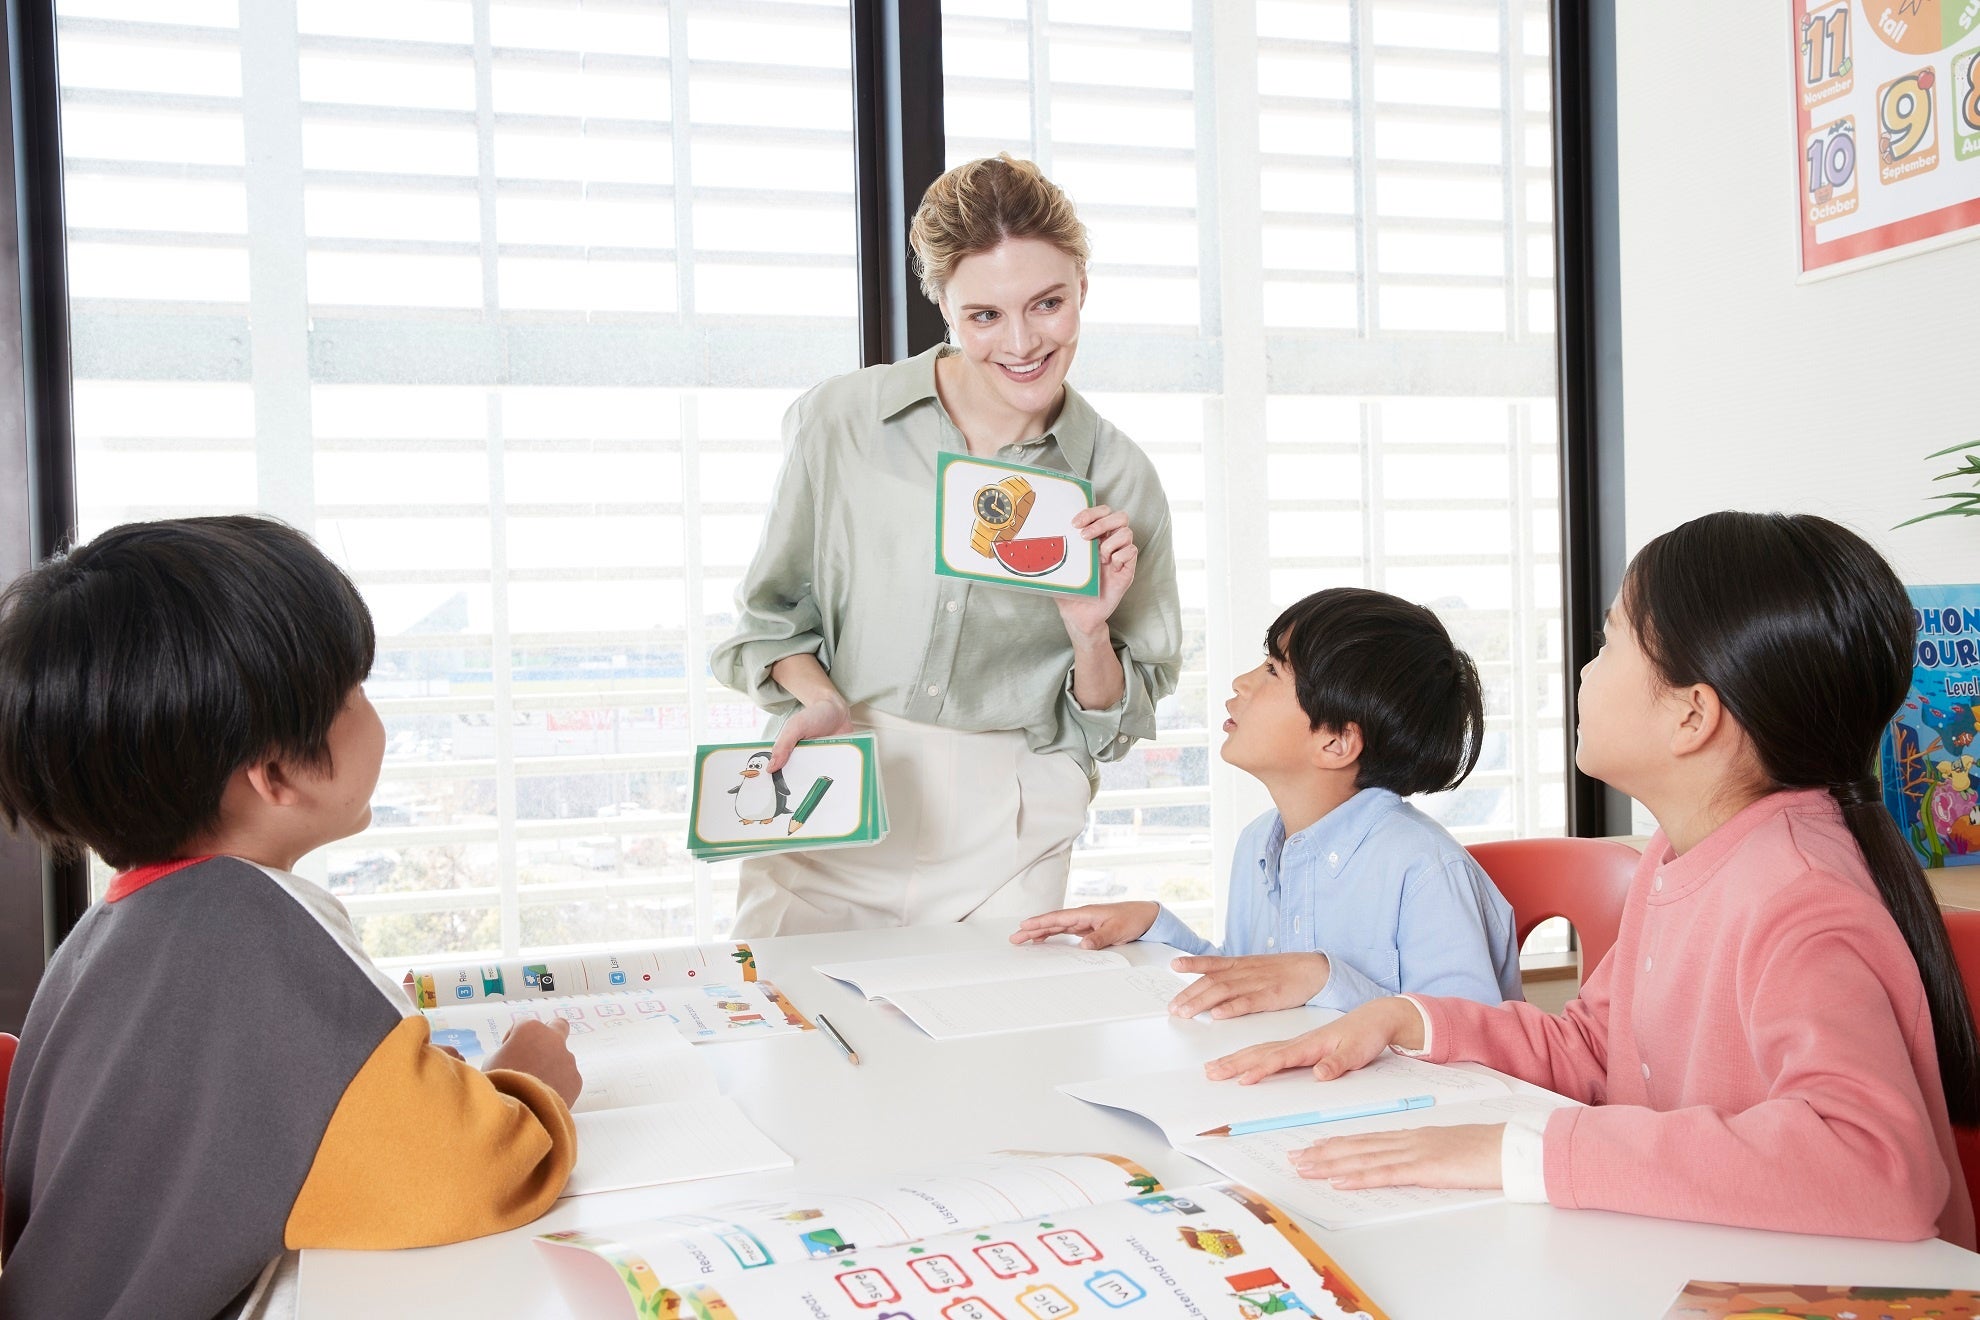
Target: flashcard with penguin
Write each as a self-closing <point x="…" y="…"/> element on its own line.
<point x="1929" y="756"/>
<point x="826" y="795"/>
<point x="1011" y="526"/>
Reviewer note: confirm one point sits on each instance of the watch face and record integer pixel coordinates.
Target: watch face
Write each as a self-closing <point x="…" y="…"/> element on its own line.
<point x="993" y="505"/>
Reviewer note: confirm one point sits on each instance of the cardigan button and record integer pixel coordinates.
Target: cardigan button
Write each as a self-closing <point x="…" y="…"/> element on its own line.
<point x="1646" y="1072"/>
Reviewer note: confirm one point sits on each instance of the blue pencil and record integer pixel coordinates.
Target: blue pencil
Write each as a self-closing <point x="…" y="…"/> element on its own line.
<point x="1321" y="1116"/>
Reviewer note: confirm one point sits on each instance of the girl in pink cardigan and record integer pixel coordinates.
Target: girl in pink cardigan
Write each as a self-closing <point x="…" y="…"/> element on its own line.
<point x="1766" y="1043"/>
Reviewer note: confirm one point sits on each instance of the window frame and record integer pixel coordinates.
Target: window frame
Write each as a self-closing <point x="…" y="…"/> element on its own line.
<point x="898" y="123"/>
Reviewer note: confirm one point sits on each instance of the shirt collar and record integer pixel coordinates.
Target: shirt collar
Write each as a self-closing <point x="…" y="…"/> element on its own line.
<point x="912" y="380"/>
<point x="1331" y="841"/>
<point x="1683" y="874"/>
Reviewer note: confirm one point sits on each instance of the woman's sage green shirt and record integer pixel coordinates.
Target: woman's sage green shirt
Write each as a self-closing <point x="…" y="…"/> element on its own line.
<point x="846" y="572"/>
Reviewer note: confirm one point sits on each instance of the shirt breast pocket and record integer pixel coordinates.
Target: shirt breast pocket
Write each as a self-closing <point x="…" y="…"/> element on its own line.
<point x="1380" y="964"/>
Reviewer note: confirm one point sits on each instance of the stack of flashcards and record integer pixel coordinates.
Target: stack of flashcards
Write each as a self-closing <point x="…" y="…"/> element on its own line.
<point x="826" y="796"/>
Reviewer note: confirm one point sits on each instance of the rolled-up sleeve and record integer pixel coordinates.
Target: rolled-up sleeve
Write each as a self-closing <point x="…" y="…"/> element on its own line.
<point x="777" y="614"/>
<point x="1147" y="633"/>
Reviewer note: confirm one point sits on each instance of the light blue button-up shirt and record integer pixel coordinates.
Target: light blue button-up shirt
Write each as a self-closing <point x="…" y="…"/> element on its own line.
<point x="1384" y="891"/>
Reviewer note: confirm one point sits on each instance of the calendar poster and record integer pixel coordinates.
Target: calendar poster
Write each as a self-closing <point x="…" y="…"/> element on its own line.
<point x="1887" y="107"/>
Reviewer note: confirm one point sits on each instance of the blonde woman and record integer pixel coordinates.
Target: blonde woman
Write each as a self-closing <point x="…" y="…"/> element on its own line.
<point x="992" y="707"/>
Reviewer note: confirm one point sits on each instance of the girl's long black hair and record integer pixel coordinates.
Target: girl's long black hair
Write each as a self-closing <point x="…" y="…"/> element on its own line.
<point x="1805" y="633"/>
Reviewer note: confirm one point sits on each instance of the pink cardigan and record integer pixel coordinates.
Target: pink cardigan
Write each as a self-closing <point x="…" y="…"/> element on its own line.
<point x="1757" y="1045"/>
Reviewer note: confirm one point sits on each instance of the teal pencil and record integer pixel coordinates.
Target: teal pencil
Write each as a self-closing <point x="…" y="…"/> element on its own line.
<point x="1321" y="1116"/>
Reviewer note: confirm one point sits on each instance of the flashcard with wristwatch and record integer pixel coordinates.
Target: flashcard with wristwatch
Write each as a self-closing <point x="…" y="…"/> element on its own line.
<point x="1011" y="526"/>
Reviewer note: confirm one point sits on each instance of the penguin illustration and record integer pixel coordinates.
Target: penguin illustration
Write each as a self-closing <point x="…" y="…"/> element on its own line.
<point x="757" y="802"/>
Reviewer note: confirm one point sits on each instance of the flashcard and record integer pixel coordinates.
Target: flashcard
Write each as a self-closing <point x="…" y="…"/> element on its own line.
<point x="1046" y="1302"/>
<point x="827" y="795"/>
<point x="1011" y="525"/>
<point x="939" y="1274"/>
<point x="1115" y="1288"/>
<point x="971" y="1308"/>
<point x="1070" y="1246"/>
<point x="868" y="1287"/>
<point x="1004" y="1260"/>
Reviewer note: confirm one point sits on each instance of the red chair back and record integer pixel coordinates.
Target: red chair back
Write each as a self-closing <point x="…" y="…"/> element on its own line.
<point x="1964" y="928"/>
<point x="1584" y="880"/>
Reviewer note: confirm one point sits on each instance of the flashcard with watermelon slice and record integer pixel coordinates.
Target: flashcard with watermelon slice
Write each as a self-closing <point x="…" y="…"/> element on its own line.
<point x="1011" y="525"/>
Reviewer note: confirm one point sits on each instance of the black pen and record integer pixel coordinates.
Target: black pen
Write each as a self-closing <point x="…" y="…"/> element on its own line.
<point x="837" y="1039"/>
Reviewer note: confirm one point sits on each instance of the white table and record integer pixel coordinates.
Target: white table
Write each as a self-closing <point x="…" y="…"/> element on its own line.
<point x="916" y="1103"/>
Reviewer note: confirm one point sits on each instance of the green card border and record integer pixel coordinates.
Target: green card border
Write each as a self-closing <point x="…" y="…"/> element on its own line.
<point x="864" y="743"/>
<point x="946" y="459"/>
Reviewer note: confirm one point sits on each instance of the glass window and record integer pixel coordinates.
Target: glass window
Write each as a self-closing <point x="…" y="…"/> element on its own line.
<point x="1322" y="289"/>
<point x="503" y="302"/>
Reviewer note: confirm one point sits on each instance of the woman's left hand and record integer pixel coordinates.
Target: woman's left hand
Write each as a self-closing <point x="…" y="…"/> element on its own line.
<point x="1085" y="615"/>
<point x="1465" y="1156"/>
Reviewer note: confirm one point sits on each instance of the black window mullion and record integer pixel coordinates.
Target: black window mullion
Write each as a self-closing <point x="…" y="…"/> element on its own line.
<point x="40" y="898"/>
<point x="897" y="122"/>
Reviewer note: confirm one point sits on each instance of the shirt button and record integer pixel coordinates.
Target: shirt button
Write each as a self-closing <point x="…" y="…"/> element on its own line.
<point x="933" y="689"/>
<point x="952" y="607"/>
<point x="1646" y="964"/>
<point x="1646" y="1072"/>
<point x="1333" y="859"/>
<point x="1120" y="737"/>
<point x="1271" y="941"/>
<point x="1656" y="884"/>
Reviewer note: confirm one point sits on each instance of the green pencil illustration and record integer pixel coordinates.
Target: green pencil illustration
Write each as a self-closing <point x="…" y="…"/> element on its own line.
<point x="805" y="808"/>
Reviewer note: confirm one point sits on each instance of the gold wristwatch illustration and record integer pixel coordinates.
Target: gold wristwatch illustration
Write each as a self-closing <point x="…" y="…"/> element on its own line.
<point x="1000" y="511"/>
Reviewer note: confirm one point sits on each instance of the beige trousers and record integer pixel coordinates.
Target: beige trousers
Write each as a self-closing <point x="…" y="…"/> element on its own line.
<point x="980" y="828"/>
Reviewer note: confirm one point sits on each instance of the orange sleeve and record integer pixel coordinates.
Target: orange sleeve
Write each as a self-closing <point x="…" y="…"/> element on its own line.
<point x="423" y="1149"/>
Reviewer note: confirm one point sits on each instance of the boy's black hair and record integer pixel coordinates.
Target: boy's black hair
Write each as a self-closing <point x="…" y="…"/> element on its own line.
<point x="1388" y="667"/>
<point x="140" y="671"/>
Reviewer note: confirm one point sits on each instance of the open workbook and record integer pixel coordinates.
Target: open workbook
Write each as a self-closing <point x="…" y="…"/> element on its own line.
<point x="1013" y="1236"/>
<point x="710" y="991"/>
<point x="1022" y="988"/>
<point x="1187" y="1106"/>
<point x="651" y="1110"/>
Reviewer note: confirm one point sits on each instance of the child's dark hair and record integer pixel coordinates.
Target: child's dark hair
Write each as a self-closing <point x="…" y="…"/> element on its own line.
<point x="1805" y="634"/>
<point x="140" y="671"/>
<point x="1388" y="667"/>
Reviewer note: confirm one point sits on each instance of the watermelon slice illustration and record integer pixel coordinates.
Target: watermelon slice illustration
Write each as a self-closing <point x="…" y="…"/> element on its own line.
<point x="1033" y="557"/>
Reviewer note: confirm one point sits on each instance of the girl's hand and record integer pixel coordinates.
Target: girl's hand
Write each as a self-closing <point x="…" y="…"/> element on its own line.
<point x="1086" y="616"/>
<point x="1355" y="1041"/>
<point x="821" y="719"/>
<point x="1466" y="1156"/>
<point x="1232" y="987"/>
<point x="1097" y="924"/>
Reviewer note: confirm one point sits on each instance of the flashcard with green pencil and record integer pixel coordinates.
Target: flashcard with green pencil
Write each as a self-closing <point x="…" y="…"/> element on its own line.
<point x="827" y="795"/>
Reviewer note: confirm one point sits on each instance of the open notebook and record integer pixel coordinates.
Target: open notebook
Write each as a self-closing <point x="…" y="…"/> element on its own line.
<point x="651" y="1110"/>
<point x="1022" y="988"/>
<point x="1185" y="1104"/>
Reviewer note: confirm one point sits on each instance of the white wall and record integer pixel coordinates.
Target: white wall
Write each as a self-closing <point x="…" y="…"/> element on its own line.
<point x="1741" y="388"/>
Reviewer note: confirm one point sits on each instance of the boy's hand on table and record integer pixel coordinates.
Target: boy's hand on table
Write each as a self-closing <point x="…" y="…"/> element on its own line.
<point x="1463" y="1156"/>
<point x="1232" y="987"/>
<point x="1354" y="1041"/>
<point x="1097" y="924"/>
<point x="542" y="1050"/>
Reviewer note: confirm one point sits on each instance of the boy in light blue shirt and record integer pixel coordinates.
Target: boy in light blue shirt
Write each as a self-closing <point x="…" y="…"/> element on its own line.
<point x="1344" y="893"/>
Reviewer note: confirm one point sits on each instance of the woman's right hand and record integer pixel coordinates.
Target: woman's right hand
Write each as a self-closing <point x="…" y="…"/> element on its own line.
<point x="1352" y="1042"/>
<point x="821" y="719"/>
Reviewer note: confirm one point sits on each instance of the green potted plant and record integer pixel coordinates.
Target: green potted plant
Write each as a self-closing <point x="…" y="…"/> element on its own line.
<point x="1962" y="503"/>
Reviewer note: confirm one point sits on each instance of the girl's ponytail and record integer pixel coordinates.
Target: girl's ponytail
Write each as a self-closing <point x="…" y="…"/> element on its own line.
<point x="1909" y="899"/>
<point x="1805" y="634"/>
